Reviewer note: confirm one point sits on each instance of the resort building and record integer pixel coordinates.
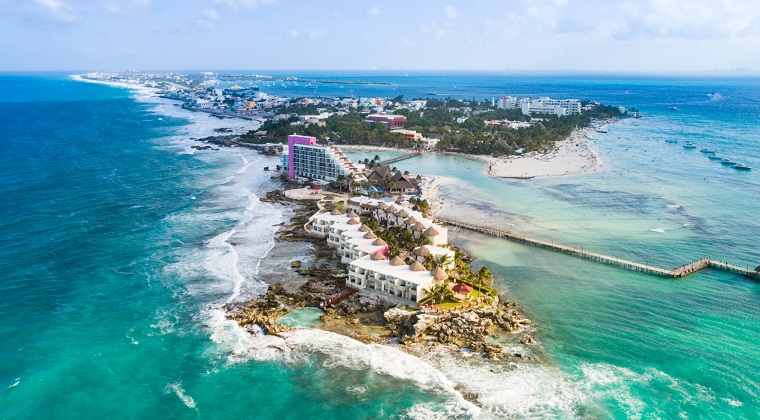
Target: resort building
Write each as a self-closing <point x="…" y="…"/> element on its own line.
<point x="408" y="134"/>
<point x="366" y="254"/>
<point x="543" y="105"/>
<point x="308" y="160"/>
<point x="393" y="277"/>
<point x="392" y="121"/>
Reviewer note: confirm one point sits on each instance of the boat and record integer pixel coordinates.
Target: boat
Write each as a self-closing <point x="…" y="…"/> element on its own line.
<point x="714" y="157"/>
<point x="707" y="151"/>
<point x="671" y="141"/>
<point x="727" y="161"/>
<point x="601" y="131"/>
<point x="689" y="145"/>
<point x="742" y="167"/>
<point x="673" y="108"/>
<point x="432" y="93"/>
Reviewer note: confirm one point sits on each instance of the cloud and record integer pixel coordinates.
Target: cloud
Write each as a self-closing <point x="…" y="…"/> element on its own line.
<point x="245" y="4"/>
<point x="451" y="12"/>
<point x="117" y="7"/>
<point x="293" y="34"/>
<point x="209" y="17"/>
<point x="57" y="9"/>
<point x="315" y="34"/>
<point x="374" y="10"/>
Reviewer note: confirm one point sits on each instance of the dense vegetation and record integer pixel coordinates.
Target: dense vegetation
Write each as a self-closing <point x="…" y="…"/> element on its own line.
<point x="460" y="125"/>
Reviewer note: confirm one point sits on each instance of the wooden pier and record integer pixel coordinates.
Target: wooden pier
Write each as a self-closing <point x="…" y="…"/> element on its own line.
<point x="677" y="272"/>
<point x="399" y="158"/>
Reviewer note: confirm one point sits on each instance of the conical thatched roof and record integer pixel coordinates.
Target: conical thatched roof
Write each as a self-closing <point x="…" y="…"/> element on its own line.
<point x="421" y="251"/>
<point x="431" y="232"/>
<point x="392" y="209"/>
<point x="370" y="235"/>
<point x="402" y="213"/>
<point x="417" y="267"/>
<point x="335" y="212"/>
<point x="364" y="228"/>
<point x="383" y="205"/>
<point x="397" y="261"/>
<point x="352" y="213"/>
<point x="411" y="221"/>
<point x="378" y="256"/>
<point x="379" y="242"/>
<point x="354" y="221"/>
<point x="439" y="273"/>
<point x="418" y="227"/>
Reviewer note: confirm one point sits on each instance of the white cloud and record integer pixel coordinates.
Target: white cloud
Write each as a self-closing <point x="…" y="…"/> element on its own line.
<point x="374" y="10"/>
<point x="57" y="9"/>
<point x="293" y="34"/>
<point x="451" y="12"/>
<point x="314" y="34"/>
<point x="245" y="4"/>
<point x="210" y="16"/>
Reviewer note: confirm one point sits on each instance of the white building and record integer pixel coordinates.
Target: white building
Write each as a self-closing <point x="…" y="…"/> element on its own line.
<point x="393" y="277"/>
<point x="543" y="105"/>
<point x="308" y="160"/>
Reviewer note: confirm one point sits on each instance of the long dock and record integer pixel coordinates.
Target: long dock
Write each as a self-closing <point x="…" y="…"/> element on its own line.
<point x="398" y="158"/>
<point x="677" y="272"/>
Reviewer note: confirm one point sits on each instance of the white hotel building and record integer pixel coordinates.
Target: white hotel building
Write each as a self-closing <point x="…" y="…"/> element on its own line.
<point x="543" y="105"/>
<point x="305" y="159"/>
<point x="366" y="254"/>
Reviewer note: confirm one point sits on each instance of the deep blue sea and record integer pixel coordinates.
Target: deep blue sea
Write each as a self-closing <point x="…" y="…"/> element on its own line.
<point x="119" y="243"/>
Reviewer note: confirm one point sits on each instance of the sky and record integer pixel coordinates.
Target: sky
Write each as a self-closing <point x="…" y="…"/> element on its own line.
<point x="647" y="36"/>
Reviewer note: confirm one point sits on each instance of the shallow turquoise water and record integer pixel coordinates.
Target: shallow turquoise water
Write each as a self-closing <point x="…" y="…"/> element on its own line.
<point x="116" y="253"/>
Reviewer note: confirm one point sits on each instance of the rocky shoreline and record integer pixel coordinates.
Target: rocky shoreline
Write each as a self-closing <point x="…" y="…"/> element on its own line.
<point x="372" y="318"/>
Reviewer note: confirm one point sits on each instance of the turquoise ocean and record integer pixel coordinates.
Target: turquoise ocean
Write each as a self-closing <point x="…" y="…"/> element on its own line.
<point x="119" y="244"/>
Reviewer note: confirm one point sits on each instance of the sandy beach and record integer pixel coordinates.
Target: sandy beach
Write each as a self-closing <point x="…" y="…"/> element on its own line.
<point x="569" y="157"/>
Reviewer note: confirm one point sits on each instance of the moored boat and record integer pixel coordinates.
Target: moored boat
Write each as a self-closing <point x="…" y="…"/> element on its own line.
<point x="671" y="141"/>
<point x="715" y="157"/>
<point x="708" y="151"/>
<point x="689" y="145"/>
<point x="742" y="167"/>
<point x="727" y="161"/>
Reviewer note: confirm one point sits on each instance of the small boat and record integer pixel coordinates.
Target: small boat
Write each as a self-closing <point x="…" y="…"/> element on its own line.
<point x="432" y="93"/>
<point x="742" y="167"/>
<point x="673" y="108"/>
<point x="727" y="161"/>
<point x="714" y="157"/>
<point x="707" y="151"/>
<point x="671" y="141"/>
<point x="689" y="145"/>
<point x="601" y="131"/>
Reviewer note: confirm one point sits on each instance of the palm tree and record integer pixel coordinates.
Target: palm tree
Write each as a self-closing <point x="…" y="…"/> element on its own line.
<point x="438" y="293"/>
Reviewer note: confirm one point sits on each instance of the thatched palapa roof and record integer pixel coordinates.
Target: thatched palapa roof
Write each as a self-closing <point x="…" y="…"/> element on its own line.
<point x="335" y="212"/>
<point x="354" y="221"/>
<point x="396" y="261"/>
<point x="364" y="228"/>
<point x="379" y="242"/>
<point x="417" y="267"/>
<point x="431" y="232"/>
<point x="411" y="221"/>
<point x="418" y="227"/>
<point x="378" y="256"/>
<point x="421" y="251"/>
<point x="439" y="273"/>
<point x="370" y="235"/>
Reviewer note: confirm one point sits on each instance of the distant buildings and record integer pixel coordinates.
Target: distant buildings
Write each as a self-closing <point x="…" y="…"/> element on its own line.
<point x="392" y="121"/>
<point x="543" y="105"/>
<point x="308" y="160"/>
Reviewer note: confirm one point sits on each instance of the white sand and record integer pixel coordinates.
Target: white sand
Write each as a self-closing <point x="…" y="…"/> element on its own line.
<point x="569" y="157"/>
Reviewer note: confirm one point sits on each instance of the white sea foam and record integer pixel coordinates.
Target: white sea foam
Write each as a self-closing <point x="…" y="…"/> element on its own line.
<point x="658" y="230"/>
<point x="18" y="381"/>
<point x="186" y="399"/>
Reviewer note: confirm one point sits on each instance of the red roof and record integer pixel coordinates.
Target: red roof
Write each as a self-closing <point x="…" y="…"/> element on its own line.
<point x="462" y="289"/>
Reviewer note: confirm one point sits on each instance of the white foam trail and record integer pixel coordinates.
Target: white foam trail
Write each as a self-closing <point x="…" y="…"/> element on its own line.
<point x="186" y="399"/>
<point x="658" y="230"/>
<point x="18" y="381"/>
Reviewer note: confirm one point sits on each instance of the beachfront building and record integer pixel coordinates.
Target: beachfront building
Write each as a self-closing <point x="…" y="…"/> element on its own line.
<point x="408" y="134"/>
<point x="393" y="277"/>
<point x="542" y="105"/>
<point x="366" y="254"/>
<point x="392" y="121"/>
<point x="308" y="160"/>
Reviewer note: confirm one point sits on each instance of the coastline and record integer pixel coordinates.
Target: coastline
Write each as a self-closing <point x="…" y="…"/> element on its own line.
<point x="572" y="156"/>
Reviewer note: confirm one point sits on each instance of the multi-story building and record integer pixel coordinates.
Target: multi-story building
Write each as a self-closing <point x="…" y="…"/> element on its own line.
<point x="308" y="160"/>
<point x="543" y="105"/>
<point x="392" y="121"/>
<point x="366" y="254"/>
